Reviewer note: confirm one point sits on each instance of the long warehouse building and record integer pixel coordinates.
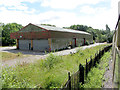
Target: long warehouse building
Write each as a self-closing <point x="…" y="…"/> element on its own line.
<point x="48" y="38"/>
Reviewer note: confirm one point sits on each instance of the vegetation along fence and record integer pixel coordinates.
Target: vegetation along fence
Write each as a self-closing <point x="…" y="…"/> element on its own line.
<point x="78" y="78"/>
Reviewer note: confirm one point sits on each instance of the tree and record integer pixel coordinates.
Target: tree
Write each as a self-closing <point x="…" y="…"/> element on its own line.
<point x="98" y="35"/>
<point x="109" y="34"/>
<point x="92" y="32"/>
<point x="48" y="25"/>
<point x="1" y="28"/>
<point x="7" y="29"/>
<point x="79" y="27"/>
<point x="107" y="29"/>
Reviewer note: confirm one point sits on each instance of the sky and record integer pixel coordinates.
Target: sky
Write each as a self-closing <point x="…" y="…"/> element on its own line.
<point x="62" y="13"/>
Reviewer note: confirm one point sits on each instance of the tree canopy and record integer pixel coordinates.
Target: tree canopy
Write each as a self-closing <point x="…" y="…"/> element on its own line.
<point x="98" y="35"/>
<point x="48" y="25"/>
<point x="6" y="30"/>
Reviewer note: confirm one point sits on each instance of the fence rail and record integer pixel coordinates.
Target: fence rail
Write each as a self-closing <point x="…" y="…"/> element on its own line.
<point x="75" y="79"/>
<point x="116" y="68"/>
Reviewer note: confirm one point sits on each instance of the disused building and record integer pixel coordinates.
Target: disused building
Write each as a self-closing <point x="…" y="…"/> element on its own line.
<point x="48" y="38"/>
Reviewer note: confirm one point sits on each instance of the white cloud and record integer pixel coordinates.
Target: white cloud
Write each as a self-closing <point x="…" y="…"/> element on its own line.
<point x="89" y="10"/>
<point x="60" y="19"/>
<point x="99" y="18"/>
<point x="16" y="4"/>
<point x="67" y="4"/>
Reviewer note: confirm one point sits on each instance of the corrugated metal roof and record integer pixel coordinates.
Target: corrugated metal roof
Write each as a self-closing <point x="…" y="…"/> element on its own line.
<point x="51" y="28"/>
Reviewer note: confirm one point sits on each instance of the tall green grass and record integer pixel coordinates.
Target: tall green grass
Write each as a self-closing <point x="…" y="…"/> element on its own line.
<point x="48" y="73"/>
<point x="5" y="56"/>
<point x="95" y="77"/>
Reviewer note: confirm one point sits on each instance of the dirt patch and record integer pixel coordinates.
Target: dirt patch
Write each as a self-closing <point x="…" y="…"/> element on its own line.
<point x="108" y="76"/>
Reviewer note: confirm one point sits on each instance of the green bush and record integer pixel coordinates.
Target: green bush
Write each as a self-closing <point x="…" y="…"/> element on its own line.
<point x="96" y="75"/>
<point x="46" y="73"/>
<point x="19" y="54"/>
<point x="93" y="41"/>
<point x="9" y="80"/>
<point x="51" y="60"/>
<point x="87" y="43"/>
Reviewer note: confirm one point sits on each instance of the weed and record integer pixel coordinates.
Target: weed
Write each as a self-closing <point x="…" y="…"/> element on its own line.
<point x="48" y="73"/>
<point x="19" y="54"/>
<point x="51" y="60"/>
<point x="96" y="75"/>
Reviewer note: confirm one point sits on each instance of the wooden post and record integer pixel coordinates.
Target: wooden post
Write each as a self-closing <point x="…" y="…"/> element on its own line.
<point x="31" y="44"/>
<point x="118" y="35"/>
<point x="99" y="54"/>
<point x="49" y="42"/>
<point x="86" y="68"/>
<point x="17" y="43"/>
<point x="69" y="78"/>
<point x="91" y="61"/>
<point x="81" y="75"/>
<point x="94" y="60"/>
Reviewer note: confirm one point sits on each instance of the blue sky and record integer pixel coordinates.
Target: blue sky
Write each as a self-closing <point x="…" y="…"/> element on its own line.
<point x="62" y="13"/>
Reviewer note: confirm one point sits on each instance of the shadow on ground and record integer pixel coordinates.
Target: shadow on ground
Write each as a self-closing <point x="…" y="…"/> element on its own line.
<point x="27" y="52"/>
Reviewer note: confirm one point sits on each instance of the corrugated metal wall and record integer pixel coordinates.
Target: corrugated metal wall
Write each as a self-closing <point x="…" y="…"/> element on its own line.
<point x="25" y="44"/>
<point x="40" y="45"/>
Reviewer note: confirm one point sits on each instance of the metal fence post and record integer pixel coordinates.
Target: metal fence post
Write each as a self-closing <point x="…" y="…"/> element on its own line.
<point x="69" y="78"/>
<point x="81" y="75"/>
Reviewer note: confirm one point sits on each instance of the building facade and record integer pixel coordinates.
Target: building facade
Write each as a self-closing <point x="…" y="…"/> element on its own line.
<point x="48" y="38"/>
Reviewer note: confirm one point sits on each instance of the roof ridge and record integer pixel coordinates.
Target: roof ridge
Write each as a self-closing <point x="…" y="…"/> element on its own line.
<point x="61" y="29"/>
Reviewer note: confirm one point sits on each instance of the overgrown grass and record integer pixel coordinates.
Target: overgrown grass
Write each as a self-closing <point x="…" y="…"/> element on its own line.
<point x="9" y="56"/>
<point x="95" y="77"/>
<point x="48" y="73"/>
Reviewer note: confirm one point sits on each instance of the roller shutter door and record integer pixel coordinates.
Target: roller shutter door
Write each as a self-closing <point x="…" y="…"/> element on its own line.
<point x="40" y="45"/>
<point x="25" y="44"/>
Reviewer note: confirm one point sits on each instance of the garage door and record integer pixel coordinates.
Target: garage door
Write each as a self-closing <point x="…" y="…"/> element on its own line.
<point x="25" y="44"/>
<point x="41" y="45"/>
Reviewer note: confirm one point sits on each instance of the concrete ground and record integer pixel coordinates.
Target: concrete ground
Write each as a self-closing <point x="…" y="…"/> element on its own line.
<point x="34" y="56"/>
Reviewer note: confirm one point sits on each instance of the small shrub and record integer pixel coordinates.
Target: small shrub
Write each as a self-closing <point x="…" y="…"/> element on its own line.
<point x="87" y="43"/>
<point x="93" y="41"/>
<point x="51" y="82"/>
<point x="51" y="60"/>
<point x="19" y="54"/>
<point x="9" y="79"/>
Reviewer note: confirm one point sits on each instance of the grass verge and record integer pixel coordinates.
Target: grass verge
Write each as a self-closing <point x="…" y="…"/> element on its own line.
<point x="48" y="73"/>
<point x="95" y="77"/>
<point x="9" y="56"/>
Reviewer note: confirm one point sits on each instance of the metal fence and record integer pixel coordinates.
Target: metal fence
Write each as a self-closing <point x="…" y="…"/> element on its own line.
<point x="78" y="78"/>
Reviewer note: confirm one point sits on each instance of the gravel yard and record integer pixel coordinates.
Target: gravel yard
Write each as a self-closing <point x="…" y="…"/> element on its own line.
<point x="34" y="56"/>
<point x="108" y="76"/>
